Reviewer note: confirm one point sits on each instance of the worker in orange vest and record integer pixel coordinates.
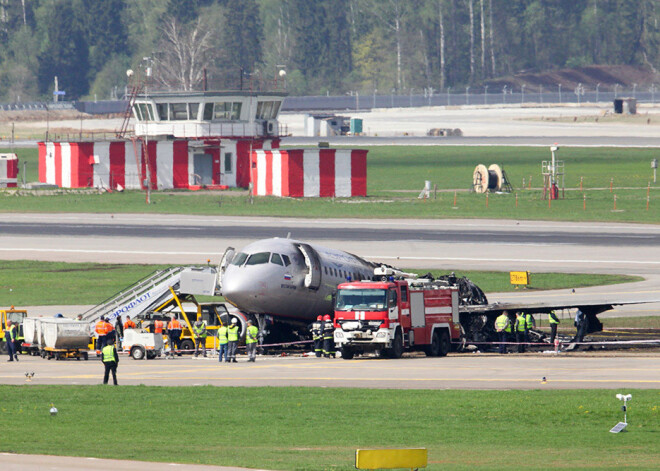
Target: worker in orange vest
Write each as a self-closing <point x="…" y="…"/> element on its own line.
<point x="129" y="324"/>
<point x="158" y="327"/>
<point x="174" y="333"/>
<point x="110" y="334"/>
<point x="100" y="334"/>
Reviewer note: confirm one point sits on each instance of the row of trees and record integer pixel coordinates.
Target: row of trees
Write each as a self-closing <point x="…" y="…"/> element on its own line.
<point x="325" y="46"/>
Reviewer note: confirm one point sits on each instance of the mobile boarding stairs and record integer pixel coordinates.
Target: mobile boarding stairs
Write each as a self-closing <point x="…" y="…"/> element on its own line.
<point x="150" y="292"/>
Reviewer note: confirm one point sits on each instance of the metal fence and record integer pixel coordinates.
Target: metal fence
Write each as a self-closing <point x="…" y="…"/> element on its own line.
<point x="419" y="98"/>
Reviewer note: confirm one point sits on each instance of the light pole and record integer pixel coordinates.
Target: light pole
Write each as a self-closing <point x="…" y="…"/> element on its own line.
<point x="485" y="94"/>
<point x="540" y="93"/>
<point x="559" y="85"/>
<point x="357" y="100"/>
<point x="467" y="95"/>
<point x="522" y="90"/>
<point x="597" y="87"/>
<point x="579" y="90"/>
<point x="616" y="88"/>
<point x="392" y="96"/>
<point x="375" y="91"/>
<point x="504" y="94"/>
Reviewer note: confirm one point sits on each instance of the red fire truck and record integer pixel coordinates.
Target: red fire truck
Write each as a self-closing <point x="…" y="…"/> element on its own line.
<point x="395" y="315"/>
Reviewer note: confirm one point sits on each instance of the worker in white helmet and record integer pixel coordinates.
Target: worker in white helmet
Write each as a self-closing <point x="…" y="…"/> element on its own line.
<point x="232" y="337"/>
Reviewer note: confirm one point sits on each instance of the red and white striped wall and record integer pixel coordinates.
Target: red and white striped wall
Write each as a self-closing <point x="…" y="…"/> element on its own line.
<point x="120" y="164"/>
<point x="310" y="172"/>
<point x="8" y="170"/>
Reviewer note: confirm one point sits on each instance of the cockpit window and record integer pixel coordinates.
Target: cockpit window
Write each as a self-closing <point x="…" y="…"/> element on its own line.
<point x="276" y="259"/>
<point x="287" y="262"/>
<point x="258" y="258"/>
<point x="239" y="259"/>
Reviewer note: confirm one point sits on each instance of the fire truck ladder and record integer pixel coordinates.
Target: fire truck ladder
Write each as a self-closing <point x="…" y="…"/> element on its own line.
<point x="138" y="297"/>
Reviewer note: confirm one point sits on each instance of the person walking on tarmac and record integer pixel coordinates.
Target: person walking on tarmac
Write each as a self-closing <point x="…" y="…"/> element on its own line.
<point x="317" y="336"/>
<point x="10" y="339"/>
<point x="232" y="337"/>
<point x="110" y="360"/>
<point x="199" y="330"/>
<point x="503" y="327"/>
<point x="251" y="341"/>
<point x="520" y="327"/>
<point x="119" y="331"/>
<point x="328" y="331"/>
<point x="174" y="334"/>
<point x="554" y="322"/>
<point x="100" y="334"/>
<point x="222" y="343"/>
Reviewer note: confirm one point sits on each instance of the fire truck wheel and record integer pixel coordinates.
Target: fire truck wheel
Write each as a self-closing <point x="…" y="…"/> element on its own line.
<point x="347" y="353"/>
<point x="397" y="346"/>
<point x="445" y="344"/>
<point x="434" y="349"/>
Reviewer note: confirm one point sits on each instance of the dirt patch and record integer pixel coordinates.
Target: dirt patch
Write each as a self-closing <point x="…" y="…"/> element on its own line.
<point x="607" y="75"/>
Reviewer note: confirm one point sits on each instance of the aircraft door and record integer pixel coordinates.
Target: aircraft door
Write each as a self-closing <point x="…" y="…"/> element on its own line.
<point x="227" y="257"/>
<point x="313" y="264"/>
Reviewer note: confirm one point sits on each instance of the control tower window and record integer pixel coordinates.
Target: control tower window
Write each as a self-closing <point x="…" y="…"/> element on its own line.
<point x="267" y="109"/>
<point x="227" y="111"/>
<point x="162" y="111"/>
<point x="193" y="108"/>
<point x="178" y="111"/>
<point x="208" y="111"/>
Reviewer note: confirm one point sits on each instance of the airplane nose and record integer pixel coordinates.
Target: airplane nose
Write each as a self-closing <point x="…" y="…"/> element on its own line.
<point x="239" y="288"/>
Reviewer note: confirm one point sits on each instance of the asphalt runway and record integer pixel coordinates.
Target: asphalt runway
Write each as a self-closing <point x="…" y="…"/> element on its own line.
<point x="602" y="370"/>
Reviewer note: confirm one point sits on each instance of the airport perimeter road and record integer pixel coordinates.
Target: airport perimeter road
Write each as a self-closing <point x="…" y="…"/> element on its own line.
<point x="457" y="371"/>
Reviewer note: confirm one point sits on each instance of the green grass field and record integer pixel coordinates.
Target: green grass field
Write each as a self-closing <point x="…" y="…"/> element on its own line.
<point x="22" y="282"/>
<point x="320" y="428"/>
<point x="396" y="174"/>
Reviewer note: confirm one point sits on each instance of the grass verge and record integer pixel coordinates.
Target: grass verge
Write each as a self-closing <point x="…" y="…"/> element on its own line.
<point x="319" y="428"/>
<point x="22" y="282"/>
<point x="396" y="174"/>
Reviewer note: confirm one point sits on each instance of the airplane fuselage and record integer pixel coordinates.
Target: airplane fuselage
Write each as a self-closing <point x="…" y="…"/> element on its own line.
<point x="288" y="278"/>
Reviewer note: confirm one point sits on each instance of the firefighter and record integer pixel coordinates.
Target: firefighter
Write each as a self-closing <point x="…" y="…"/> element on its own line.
<point x="129" y="324"/>
<point x="582" y="324"/>
<point x="174" y="334"/>
<point x="10" y="339"/>
<point x="251" y="341"/>
<point x="110" y="360"/>
<point x="100" y="334"/>
<point x="328" y="331"/>
<point x="199" y="330"/>
<point x="530" y="323"/>
<point x="520" y="328"/>
<point x="503" y="327"/>
<point x="317" y="336"/>
<point x="232" y="337"/>
<point x="554" y="322"/>
<point x="222" y="343"/>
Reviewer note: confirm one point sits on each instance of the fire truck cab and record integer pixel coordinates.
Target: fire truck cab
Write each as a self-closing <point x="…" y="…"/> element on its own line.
<point x="391" y="316"/>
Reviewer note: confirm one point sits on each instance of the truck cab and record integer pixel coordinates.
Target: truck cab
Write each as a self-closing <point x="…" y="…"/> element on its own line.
<point x="16" y="316"/>
<point x="391" y="316"/>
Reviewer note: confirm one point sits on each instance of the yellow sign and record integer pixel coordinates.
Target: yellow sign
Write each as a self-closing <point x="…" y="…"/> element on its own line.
<point x="391" y="458"/>
<point x="519" y="277"/>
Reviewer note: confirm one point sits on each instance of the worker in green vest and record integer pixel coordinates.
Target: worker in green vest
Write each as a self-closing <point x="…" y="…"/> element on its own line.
<point x="110" y="360"/>
<point x="232" y="337"/>
<point x="520" y="328"/>
<point x="222" y="343"/>
<point x="199" y="330"/>
<point x="554" y="322"/>
<point x="251" y="341"/>
<point x="10" y="340"/>
<point x="503" y="327"/>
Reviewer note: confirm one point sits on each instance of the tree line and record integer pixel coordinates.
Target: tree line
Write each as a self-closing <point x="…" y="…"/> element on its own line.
<point x="324" y="46"/>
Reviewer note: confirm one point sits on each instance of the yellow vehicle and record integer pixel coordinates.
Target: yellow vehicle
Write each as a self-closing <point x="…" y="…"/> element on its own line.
<point x="16" y="316"/>
<point x="187" y="310"/>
